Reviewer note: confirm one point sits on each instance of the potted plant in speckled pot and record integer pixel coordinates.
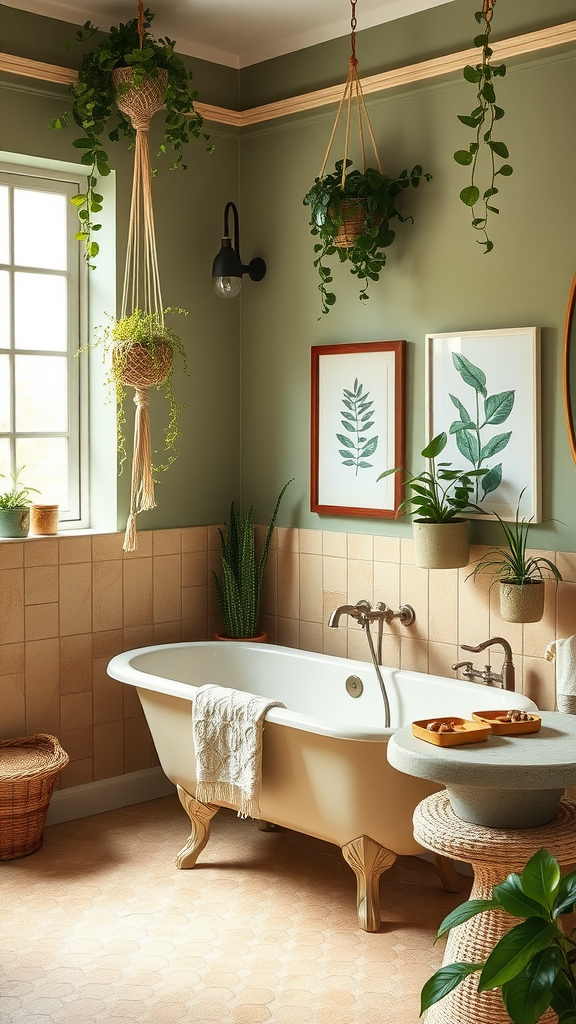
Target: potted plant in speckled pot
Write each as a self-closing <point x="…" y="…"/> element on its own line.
<point x="15" y="508"/>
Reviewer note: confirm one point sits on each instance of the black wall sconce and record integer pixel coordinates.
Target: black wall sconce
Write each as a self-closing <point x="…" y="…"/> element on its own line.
<point x="227" y="269"/>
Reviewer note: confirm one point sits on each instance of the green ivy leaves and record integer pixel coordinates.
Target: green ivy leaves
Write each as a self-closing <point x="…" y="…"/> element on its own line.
<point x="482" y="119"/>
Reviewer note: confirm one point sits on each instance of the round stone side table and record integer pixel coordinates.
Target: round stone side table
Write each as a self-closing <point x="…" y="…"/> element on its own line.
<point x="493" y="854"/>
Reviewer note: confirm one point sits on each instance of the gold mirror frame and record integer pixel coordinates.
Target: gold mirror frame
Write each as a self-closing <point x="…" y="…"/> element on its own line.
<point x="569" y="400"/>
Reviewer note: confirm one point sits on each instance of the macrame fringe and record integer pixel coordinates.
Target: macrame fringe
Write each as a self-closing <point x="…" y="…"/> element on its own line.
<point x="142" y="486"/>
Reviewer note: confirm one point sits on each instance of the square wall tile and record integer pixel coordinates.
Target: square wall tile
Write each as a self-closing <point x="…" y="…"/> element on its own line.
<point x="194" y="538"/>
<point x="311" y="589"/>
<point x="13" y="703"/>
<point x="537" y="635"/>
<point x="108" y="750"/>
<point x="194" y="568"/>
<point x="288" y="585"/>
<point x="360" y="546"/>
<point x="76" y="663"/>
<point x="41" y="552"/>
<point x="310" y="542"/>
<point x="108" y="694"/>
<point x="360" y="580"/>
<point x="77" y="773"/>
<point x="441" y="657"/>
<point x="443" y="606"/>
<point x="168" y="632"/>
<point x="42" y="686"/>
<point x="269" y="592"/>
<point x="540" y="683"/>
<point x="11" y="554"/>
<point x="137" y="636"/>
<point x="196" y="629"/>
<point x="167" y="542"/>
<point x="138" y="746"/>
<point x="167" y="588"/>
<point x="566" y="610"/>
<point x="358" y="648"/>
<point x="41" y="621"/>
<point x="414" y="591"/>
<point x="335" y="574"/>
<point x="566" y="563"/>
<point x="194" y="602"/>
<point x="287" y="539"/>
<point x="387" y="584"/>
<point x="334" y="544"/>
<point x="145" y="546"/>
<point x="288" y="632"/>
<point x="11" y="605"/>
<point x="473" y="608"/>
<point x="335" y="642"/>
<point x="386" y="549"/>
<point x="11" y="659"/>
<point x="75" y="711"/>
<point x="137" y="591"/>
<point x="77" y="742"/>
<point x="108" y="643"/>
<point x="414" y="655"/>
<point x="75" y="549"/>
<point x="107" y="546"/>
<point x="41" y="584"/>
<point x="311" y="637"/>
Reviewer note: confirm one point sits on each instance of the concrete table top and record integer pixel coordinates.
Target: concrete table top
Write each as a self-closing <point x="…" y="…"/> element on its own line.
<point x="487" y="782"/>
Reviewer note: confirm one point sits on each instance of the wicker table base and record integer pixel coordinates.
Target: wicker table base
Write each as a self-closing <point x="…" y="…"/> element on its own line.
<point x="493" y="854"/>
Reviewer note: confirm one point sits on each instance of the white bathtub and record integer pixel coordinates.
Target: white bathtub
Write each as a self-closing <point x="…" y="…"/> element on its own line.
<point x="325" y="771"/>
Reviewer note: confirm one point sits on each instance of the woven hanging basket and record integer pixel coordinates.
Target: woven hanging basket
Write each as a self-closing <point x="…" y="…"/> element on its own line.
<point x="141" y="368"/>
<point x="140" y="102"/>
<point x="28" y="770"/>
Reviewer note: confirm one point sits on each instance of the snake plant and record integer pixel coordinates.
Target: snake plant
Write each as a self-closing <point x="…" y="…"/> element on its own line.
<point x="239" y="587"/>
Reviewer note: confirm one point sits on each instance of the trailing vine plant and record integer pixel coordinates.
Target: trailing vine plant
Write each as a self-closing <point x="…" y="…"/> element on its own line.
<point x="482" y="119"/>
<point x="94" y="108"/>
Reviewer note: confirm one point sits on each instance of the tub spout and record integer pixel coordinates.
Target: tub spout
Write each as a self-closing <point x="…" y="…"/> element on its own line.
<point x="354" y="610"/>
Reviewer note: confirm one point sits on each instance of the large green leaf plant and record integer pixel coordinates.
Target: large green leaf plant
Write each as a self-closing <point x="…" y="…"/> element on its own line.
<point x="534" y="964"/>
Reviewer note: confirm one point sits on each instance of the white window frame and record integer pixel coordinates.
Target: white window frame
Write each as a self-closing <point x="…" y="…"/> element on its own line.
<point x="45" y="178"/>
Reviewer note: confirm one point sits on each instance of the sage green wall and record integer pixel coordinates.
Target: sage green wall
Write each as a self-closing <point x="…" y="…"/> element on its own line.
<point x="188" y="210"/>
<point x="438" y="278"/>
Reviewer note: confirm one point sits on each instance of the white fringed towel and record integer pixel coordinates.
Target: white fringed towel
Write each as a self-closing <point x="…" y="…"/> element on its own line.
<point x="227" y="726"/>
<point x="563" y="652"/>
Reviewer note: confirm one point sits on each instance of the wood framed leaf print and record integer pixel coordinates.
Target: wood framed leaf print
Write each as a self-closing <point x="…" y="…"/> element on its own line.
<point x="483" y="390"/>
<point x="357" y="428"/>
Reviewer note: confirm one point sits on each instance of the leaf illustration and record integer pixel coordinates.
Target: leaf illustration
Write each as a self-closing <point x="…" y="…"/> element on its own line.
<point x="470" y="374"/>
<point x="468" y="446"/>
<point x="345" y="440"/>
<point x="357" y="421"/>
<point x="492" y="480"/>
<point x="349" y="426"/>
<point x="495" y="445"/>
<point x="370" y="447"/>
<point x="460" y="425"/>
<point x="347" y="415"/>
<point x="365" y="465"/>
<point x="366" y="426"/>
<point x="497" y="408"/>
<point x="464" y="414"/>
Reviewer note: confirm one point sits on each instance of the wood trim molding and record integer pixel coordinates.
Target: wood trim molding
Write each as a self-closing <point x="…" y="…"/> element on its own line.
<point x="516" y="46"/>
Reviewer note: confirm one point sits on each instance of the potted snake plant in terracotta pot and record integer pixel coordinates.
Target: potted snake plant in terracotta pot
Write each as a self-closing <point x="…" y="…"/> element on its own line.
<point x="15" y="508"/>
<point x="239" y="587"/>
<point x="126" y="61"/>
<point x="441" y="494"/>
<point x="520" y="576"/>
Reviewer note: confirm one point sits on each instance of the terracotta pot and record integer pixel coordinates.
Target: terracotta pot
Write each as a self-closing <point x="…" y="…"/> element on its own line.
<point x="441" y="545"/>
<point x="260" y="638"/>
<point x="522" y="602"/>
<point x="44" y="520"/>
<point x="14" y="522"/>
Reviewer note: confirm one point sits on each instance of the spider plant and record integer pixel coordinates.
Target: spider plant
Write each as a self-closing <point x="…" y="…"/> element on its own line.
<point x="515" y="565"/>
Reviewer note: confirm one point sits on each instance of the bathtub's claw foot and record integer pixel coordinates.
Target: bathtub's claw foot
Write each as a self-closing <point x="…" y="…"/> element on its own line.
<point x="268" y="826"/>
<point x="448" y="875"/>
<point x="200" y="815"/>
<point x="368" y="861"/>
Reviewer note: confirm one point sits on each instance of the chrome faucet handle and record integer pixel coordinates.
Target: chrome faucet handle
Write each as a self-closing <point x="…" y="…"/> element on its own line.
<point x="405" y="614"/>
<point x="466" y="665"/>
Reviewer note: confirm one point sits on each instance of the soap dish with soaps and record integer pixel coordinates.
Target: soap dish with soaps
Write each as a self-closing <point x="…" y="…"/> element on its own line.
<point x="501" y="728"/>
<point x="464" y="731"/>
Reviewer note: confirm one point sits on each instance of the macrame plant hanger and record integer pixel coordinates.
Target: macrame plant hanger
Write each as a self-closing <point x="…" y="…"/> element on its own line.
<point x="139" y="368"/>
<point x="352" y="92"/>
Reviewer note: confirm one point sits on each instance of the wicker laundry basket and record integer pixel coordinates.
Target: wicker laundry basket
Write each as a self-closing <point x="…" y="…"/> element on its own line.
<point x="28" y="770"/>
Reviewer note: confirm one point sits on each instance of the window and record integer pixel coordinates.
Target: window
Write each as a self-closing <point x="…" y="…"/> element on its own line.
<point x="42" y="317"/>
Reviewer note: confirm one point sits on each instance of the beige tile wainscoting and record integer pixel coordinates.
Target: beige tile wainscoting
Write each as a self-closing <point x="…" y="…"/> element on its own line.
<point x="68" y="604"/>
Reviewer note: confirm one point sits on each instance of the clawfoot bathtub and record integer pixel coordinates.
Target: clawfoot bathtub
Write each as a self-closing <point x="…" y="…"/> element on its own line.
<point x="325" y="771"/>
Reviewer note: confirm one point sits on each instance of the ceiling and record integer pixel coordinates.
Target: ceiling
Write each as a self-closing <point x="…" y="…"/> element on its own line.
<point x="235" y="32"/>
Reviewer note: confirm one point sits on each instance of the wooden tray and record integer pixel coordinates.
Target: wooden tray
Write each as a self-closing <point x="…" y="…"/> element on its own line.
<point x="507" y="728"/>
<point x="466" y="731"/>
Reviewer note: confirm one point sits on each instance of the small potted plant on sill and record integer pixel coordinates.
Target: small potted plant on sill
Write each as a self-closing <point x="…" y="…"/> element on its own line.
<point x="114" y="70"/>
<point x="142" y="349"/>
<point x="351" y="214"/>
<point x="239" y="587"/>
<point x="441" y="493"/>
<point x="533" y="964"/>
<point x="15" y="508"/>
<point x="520" y="576"/>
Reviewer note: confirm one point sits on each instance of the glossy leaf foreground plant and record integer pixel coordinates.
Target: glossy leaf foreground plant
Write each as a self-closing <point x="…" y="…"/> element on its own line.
<point x="441" y="493"/>
<point x="95" y="109"/>
<point x="534" y="964"/>
<point x="482" y="119"/>
<point x="15" y="507"/>
<point x="370" y="199"/>
<point x="239" y="587"/>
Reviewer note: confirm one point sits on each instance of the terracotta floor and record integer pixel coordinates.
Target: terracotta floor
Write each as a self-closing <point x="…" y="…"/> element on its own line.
<point x="99" y="925"/>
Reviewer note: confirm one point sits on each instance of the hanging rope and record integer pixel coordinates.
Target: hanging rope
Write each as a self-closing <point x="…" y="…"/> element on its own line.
<point x="353" y="89"/>
<point x="138" y="367"/>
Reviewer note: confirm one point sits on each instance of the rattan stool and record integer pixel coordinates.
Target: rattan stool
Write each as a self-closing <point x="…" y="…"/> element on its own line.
<point x="28" y="770"/>
<point x="493" y="854"/>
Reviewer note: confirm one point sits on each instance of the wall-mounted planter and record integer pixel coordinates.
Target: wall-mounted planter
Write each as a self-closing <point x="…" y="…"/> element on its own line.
<point x="522" y="602"/>
<point x="14" y="522"/>
<point x="441" y="545"/>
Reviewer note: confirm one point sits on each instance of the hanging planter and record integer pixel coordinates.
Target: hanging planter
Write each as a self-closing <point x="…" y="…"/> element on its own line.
<point x="522" y="602"/>
<point x="128" y="72"/>
<point x="351" y="210"/>
<point x="441" y="545"/>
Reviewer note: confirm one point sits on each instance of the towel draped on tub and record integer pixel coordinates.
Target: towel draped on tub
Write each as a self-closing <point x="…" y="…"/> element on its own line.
<point x="227" y="726"/>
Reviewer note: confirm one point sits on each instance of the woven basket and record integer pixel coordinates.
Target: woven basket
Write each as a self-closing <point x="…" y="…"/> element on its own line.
<point x="352" y="224"/>
<point x="28" y="770"/>
<point x="141" y="102"/>
<point x="142" y="369"/>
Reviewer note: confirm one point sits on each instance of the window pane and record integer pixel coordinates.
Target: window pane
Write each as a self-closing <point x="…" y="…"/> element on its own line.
<point x="4" y="308"/>
<point x="4" y="464"/>
<point x="46" y="462"/>
<point x="41" y="393"/>
<point x="4" y="394"/>
<point x="40" y="311"/>
<point x="40" y="229"/>
<point x="4" y="222"/>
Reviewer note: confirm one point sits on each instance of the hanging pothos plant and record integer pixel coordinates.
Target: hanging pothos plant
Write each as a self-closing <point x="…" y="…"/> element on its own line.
<point x="369" y="197"/>
<point x="482" y="119"/>
<point x="95" y="110"/>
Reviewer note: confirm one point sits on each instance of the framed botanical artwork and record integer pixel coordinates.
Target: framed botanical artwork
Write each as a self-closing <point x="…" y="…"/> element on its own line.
<point x="357" y="428"/>
<point x="483" y="390"/>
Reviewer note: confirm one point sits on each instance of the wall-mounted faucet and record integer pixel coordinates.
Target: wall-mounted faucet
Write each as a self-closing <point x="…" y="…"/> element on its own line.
<point x="364" y="613"/>
<point x="506" y="679"/>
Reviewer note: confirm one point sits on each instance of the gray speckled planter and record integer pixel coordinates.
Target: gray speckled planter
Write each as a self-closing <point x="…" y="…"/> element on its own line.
<point x="441" y="545"/>
<point x="505" y="782"/>
<point x="522" y="603"/>
<point x="14" y="522"/>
